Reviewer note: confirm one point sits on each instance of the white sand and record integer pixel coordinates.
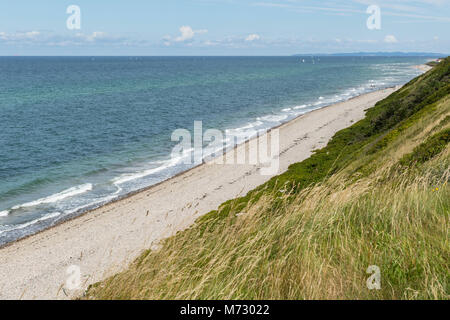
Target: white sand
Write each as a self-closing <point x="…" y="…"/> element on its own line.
<point x="106" y="240"/>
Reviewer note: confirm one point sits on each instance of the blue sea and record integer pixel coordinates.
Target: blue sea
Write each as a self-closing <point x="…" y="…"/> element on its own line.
<point x="78" y="132"/>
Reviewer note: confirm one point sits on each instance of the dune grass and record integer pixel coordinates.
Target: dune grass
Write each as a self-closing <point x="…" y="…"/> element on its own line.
<point x="378" y="194"/>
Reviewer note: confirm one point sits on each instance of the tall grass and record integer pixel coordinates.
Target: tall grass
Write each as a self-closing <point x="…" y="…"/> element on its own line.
<point x="316" y="246"/>
<point x="386" y="204"/>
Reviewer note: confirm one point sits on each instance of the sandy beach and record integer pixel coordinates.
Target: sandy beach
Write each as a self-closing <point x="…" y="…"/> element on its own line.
<point x="105" y="240"/>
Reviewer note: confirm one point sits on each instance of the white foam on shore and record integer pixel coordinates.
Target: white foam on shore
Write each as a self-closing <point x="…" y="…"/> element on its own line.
<point x="95" y="203"/>
<point x="129" y="177"/>
<point x="272" y="118"/>
<point x="250" y="125"/>
<point x="57" y="196"/>
<point x="141" y="174"/>
<point x="4" y="213"/>
<point x="27" y="224"/>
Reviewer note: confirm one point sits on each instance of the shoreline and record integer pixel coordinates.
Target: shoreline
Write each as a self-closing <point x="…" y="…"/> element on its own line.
<point x="82" y="212"/>
<point x="422" y="67"/>
<point x="42" y="276"/>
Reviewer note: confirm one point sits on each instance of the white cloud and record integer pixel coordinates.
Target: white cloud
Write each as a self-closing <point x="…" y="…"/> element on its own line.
<point x="187" y="33"/>
<point x="58" y="40"/>
<point x="435" y="38"/>
<point x="96" y="35"/>
<point x="30" y="35"/>
<point x="252" y="37"/>
<point x="390" y="39"/>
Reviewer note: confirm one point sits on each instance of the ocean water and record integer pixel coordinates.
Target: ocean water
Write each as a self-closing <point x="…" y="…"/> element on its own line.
<point x="77" y="132"/>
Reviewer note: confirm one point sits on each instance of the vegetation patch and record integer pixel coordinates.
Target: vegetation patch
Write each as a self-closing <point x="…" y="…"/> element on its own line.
<point x="427" y="150"/>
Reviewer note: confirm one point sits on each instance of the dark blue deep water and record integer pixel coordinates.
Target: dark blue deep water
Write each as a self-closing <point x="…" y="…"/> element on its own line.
<point x="77" y="132"/>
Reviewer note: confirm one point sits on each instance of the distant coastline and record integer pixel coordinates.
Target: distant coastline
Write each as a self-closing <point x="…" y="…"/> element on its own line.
<point x="374" y="54"/>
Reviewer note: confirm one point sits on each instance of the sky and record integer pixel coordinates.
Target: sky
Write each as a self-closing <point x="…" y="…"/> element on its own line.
<point x="221" y="27"/>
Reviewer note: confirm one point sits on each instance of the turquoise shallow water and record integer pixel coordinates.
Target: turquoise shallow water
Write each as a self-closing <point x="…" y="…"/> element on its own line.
<point x="77" y="132"/>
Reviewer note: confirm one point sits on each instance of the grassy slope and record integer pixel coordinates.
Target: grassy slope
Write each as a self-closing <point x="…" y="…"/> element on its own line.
<point x="378" y="194"/>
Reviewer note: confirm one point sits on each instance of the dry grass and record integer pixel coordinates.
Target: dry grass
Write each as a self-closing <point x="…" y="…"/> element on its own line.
<point x="314" y="245"/>
<point x="319" y="242"/>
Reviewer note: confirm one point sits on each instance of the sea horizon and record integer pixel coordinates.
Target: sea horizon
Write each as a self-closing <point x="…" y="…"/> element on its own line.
<point x="398" y="54"/>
